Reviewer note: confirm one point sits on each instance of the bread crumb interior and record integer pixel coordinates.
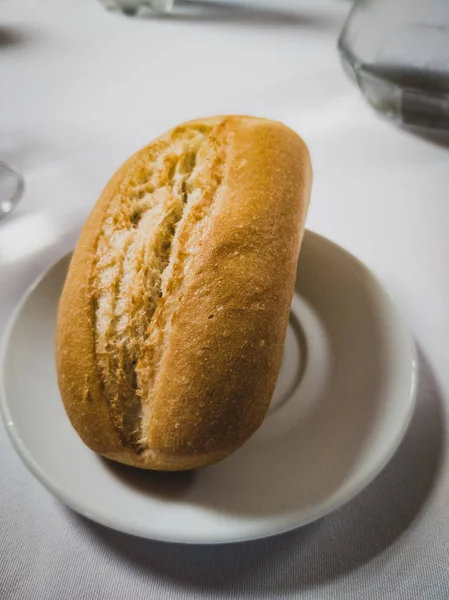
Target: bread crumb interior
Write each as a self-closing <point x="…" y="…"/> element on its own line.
<point x="150" y="232"/>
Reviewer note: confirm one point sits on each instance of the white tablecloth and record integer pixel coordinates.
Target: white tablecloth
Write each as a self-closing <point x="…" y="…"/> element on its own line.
<point x="81" y="89"/>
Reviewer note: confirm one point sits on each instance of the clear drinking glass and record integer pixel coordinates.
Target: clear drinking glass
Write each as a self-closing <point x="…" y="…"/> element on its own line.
<point x="132" y="6"/>
<point x="398" y="53"/>
<point x="11" y="188"/>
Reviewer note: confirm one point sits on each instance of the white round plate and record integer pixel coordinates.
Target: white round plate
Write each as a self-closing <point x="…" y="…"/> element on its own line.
<point x="342" y="404"/>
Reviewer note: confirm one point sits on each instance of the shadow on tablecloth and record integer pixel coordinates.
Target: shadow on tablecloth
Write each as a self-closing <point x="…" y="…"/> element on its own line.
<point x="438" y="137"/>
<point x="14" y="35"/>
<point x="332" y="547"/>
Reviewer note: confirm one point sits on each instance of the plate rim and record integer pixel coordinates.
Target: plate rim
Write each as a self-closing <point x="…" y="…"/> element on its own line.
<point x="333" y="502"/>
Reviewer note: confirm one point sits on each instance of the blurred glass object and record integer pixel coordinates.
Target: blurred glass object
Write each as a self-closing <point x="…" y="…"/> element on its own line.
<point x="132" y="6"/>
<point x="11" y="188"/>
<point x="398" y="53"/>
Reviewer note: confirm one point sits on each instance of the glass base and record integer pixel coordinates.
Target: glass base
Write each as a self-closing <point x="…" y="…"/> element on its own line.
<point x="11" y="188"/>
<point x="131" y="7"/>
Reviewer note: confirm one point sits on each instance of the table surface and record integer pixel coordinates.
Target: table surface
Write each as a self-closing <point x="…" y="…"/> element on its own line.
<point x="81" y="89"/>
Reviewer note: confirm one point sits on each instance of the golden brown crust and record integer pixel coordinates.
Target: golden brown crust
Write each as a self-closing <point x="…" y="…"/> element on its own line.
<point x="207" y="370"/>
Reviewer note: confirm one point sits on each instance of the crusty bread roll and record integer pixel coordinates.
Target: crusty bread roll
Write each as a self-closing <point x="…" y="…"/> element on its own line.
<point x="172" y="320"/>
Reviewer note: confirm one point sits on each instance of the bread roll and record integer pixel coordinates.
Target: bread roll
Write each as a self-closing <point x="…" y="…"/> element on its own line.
<point x="172" y="320"/>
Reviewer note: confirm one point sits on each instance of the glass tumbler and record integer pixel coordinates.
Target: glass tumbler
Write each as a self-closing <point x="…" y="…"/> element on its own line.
<point x="11" y="188"/>
<point x="398" y="53"/>
<point x="132" y="6"/>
